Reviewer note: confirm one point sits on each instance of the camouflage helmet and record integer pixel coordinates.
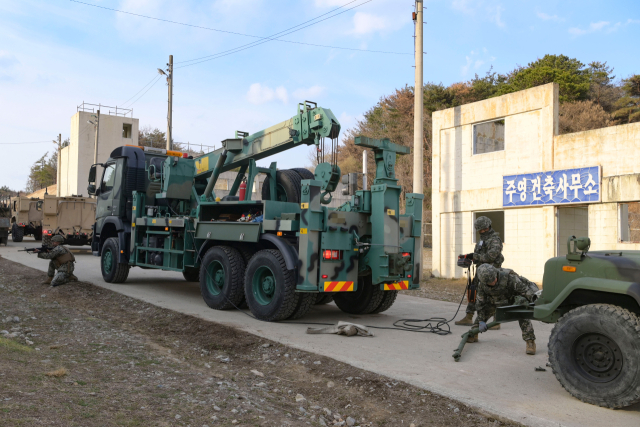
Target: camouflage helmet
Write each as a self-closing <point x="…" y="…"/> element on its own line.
<point x="487" y="273"/>
<point x="58" y="239"/>
<point x="482" y="222"/>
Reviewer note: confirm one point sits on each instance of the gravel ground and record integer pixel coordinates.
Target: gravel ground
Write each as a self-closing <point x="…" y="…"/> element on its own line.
<point x="79" y="355"/>
<point x="441" y="289"/>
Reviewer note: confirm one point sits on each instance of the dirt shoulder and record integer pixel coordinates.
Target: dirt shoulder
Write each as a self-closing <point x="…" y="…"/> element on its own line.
<point x="450" y="290"/>
<point x="79" y="355"/>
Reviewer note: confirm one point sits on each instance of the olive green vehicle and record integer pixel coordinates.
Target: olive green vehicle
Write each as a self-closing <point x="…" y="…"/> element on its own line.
<point x="157" y="209"/>
<point x="594" y="300"/>
<point x="5" y="220"/>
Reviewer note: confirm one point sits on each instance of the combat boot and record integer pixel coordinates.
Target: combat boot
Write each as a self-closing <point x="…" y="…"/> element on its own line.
<point x="531" y="347"/>
<point x="472" y="338"/>
<point x="47" y="281"/>
<point x="466" y="320"/>
<point x="73" y="278"/>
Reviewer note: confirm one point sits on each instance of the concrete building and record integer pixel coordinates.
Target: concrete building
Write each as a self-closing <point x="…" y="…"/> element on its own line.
<point x="117" y="127"/>
<point x="503" y="158"/>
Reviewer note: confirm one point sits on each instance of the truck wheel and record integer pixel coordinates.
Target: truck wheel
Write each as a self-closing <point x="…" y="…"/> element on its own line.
<point x="112" y="270"/>
<point x="37" y="234"/>
<point x="323" y="298"/>
<point x="191" y="274"/>
<point x="304" y="173"/>
<point x="288" y="187"/>
<point x="17" y="233"/>
<point x="305" y="301"/>
<point x="362" y="301"/>
<point x="221" y="275"/>
<point x="388" y="298"/>
<point x="269" y="287"/>
<point x="594" y="352"/>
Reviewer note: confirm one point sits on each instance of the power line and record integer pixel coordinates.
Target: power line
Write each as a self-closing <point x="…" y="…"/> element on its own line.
<point x="145" y="92"/>
<point x="29" y="142"/>
<point x="125" y="102"/>
<point x="247" y="35"/>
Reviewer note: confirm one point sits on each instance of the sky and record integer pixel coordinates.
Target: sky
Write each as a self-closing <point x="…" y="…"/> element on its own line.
<point x="55" y="54"/>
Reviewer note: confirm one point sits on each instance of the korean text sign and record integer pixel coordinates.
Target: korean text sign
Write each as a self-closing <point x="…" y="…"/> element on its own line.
<point x="581" y="185"/>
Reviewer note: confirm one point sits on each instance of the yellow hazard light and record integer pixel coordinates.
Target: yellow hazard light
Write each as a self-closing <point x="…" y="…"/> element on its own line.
<point x="568" y="269"/>
<point x="279" y="233"/>
<point x="166" y="229"/>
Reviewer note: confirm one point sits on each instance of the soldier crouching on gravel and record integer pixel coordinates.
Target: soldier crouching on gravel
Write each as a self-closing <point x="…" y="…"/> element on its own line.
<point x="62" y="260"/>
<point x="499" y="287"/>
<point x="487" y="251"/>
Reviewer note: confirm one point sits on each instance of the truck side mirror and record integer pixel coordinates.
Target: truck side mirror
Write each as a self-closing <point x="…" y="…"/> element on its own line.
<point x="91" y="189"/>
<point x="92" y="176"/>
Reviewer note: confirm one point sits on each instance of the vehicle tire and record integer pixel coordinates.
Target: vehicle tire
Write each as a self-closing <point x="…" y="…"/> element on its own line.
<point x="288" y="187"/>
<point x="191" y="274"/>
<point x="304" y="173"/>
<point x="364" y="300"/>
<point x="388" y="298"/>
<point x="221" y="278"/>
<point x="17" y="233"/>
<point x="323" y="298"/>
<point x="594" y="351"/>
<point x="304" y="303"/>
<point x="112" y="270"/>
<point x="46" y="241"/>
<point x="37" y="234"/>
<point x="270" y="288"/>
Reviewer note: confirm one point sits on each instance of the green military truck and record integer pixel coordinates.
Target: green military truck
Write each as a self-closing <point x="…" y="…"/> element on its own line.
<point x="157" y="209"/>
<point x="594" y="300"/>
<point x="5" y="220"/>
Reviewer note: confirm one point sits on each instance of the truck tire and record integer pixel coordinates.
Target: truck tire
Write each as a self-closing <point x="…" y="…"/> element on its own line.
<point x="304" y="173"/>
<point x="112" y="270"/>
<point x="17" y="233"/>
<point x="288" y="187"/>
<point x="594" y="351"/>
<point x="221" y="275"/>
<point x="323" y="298"/>
<point x="388" y="298"/>
<point x="305" y="301"/>
<point x="364" y="300"/>
<point x="191" y="274"/>
<point x="37" y="234"/>
<point x="269" y="287"/>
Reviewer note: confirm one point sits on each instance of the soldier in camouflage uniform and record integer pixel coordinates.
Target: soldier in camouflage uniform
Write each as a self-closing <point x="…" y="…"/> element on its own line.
<point x="61" y="260"/>
<point x="499" y="287"/>
<point x="487" y="251"/>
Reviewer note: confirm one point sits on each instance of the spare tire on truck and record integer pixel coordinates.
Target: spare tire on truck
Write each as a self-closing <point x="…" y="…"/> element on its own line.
<point x="288" y="187"/>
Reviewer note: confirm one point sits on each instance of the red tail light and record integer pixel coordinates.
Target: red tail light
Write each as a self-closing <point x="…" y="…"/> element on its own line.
<point x="332" y="254"/>
<point x="409" y="276"/>
<point x="404" y="254"/>
<point x="324" y="276"/>
<point x="326" y="254"/>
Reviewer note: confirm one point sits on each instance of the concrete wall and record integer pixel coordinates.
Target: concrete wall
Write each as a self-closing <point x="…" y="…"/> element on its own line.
<point x="464" y="183"/>
<point x="77" y="157"/>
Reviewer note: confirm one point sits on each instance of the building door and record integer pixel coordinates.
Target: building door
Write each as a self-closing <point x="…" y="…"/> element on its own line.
<point x="571" y="221"/>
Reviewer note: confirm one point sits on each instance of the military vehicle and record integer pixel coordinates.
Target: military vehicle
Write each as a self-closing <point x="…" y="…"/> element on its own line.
<point x="5" y="220"/>
<point x="594" y="300"/>
<point x="70" y="217"/>
<point x="26" y="218"/>
<point x="157" y="209"/>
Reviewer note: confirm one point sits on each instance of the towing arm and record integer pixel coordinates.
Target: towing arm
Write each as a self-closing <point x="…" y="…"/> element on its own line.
<point x="308" y="126"/>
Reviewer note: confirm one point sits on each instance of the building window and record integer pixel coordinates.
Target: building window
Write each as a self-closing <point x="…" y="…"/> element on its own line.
<point x="488" y="137"/>
<point x="126" y="130"/>
<point x="497" y="223"/>
<point x="629" y="223"/>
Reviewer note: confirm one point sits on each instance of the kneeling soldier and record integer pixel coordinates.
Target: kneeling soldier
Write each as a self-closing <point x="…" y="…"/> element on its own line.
<point x="62" y="260"/>
<point x="499" y="287"/>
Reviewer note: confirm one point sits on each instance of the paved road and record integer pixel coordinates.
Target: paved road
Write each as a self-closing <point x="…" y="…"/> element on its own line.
<point x="494" y="375"/>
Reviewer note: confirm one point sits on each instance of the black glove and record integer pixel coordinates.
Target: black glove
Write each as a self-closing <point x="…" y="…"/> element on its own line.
<point x="482" y="326"/>
<point x="470" y="256"/>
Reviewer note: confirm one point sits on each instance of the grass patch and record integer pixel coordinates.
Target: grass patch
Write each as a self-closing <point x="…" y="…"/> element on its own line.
<point x="11" y="345"/>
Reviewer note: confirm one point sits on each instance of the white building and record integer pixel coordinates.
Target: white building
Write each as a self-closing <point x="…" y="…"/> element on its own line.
<point x="117" y="127"/>
<point x="503" y="158"/>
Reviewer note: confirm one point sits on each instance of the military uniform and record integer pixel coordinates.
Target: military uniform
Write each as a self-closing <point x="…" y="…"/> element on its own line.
<point x="487" y="251"/>
<point x="61" y="260"/>
<point x="504" y="292"/>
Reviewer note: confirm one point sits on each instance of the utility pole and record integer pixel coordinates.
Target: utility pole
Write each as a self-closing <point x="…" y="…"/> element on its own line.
<point x="418" y="130"/>
<point x="170" y="113"/>
<point x="95" y="149"/>
<point x="59" y="163"/>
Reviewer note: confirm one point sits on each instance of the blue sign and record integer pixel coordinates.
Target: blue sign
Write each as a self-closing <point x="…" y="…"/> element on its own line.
<point x="581" y="185"/>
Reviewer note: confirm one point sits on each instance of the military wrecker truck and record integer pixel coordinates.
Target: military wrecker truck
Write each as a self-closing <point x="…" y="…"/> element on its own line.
<point x="157" y="209"/>
<point x="594" y="300"/>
